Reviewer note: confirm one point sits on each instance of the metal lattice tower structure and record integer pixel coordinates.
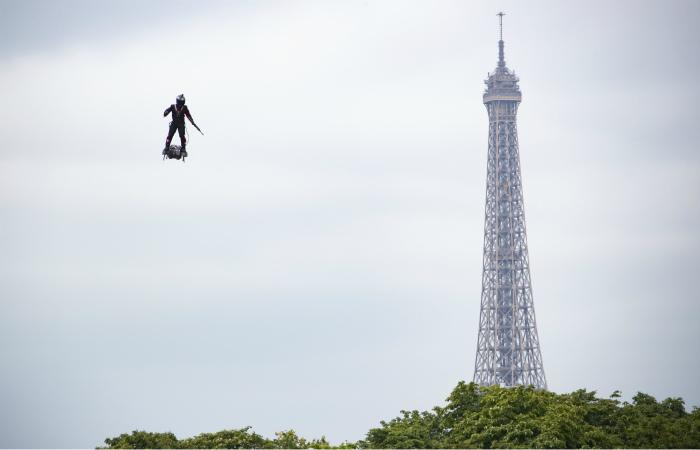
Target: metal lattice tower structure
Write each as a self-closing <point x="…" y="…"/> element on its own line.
<point x="508" y="349"/>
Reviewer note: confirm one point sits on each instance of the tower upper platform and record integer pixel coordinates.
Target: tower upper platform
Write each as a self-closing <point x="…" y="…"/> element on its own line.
<point x="502" y="84"/>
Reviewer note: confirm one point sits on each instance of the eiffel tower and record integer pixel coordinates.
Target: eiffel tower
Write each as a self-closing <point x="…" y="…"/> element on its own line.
<point x="508" y="349"/>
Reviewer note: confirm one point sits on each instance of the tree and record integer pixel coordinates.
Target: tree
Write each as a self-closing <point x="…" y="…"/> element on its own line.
<point x="412" y="429"/>
<point x="524" y="417"/>
<point x="236" y="438"/>
<point x="143" y="439"/>
<point x="488" y="417"/>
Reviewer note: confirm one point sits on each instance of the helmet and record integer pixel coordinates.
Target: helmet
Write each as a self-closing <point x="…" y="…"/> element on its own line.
<point x="180" y="100"/>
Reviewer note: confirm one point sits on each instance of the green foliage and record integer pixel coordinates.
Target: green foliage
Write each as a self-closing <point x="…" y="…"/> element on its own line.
<point x="236" y="438"/>
<point x="488" y="417"/>
<point x="412" y="430"/>
<point x="288" y="439"/>
<point x="142" y="439"/>
<point x="240" y="438"/>
<point x="524" y="417"/>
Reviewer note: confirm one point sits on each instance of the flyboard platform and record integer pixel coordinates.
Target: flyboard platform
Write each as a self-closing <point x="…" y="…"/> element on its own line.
<point x="175" y="152"/>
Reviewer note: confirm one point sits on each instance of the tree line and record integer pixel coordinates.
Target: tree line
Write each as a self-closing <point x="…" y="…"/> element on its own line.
<point x="487" y="417"/>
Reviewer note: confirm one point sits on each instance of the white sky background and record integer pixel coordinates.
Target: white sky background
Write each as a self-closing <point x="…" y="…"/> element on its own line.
<point x="316" y="263"/>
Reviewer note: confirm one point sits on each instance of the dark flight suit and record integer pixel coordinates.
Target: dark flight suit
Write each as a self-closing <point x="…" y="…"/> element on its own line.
<point x="178" y="123"/>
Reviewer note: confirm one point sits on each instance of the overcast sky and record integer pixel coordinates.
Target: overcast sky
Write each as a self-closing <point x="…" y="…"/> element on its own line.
<point x="316" y="263"/>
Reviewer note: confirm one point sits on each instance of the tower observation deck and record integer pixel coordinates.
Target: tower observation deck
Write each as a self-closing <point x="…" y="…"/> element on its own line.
<point x="508" y="349"/>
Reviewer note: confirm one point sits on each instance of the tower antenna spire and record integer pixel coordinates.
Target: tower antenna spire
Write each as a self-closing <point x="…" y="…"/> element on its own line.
<point x="500" y="23"/>
<point x="501" y="59"/>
